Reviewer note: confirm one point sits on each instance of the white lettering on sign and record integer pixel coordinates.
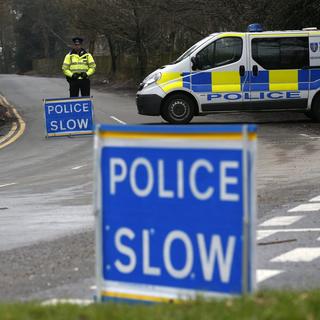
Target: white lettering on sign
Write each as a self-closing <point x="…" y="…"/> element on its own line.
<point x="71" y="124"/>
<point x="85" y="107"/>
<point x="193" y="181"/>
<point x="68" y="108"/>
<point x="50" y="109"/>
<point x="180" y="180"/>
<point x="147" y="268"/>
<point x="184" y="238"/>
<point x="114" y="177"/>
<point x="54" y="125"/>
<point x="125" y="250"/>
<point x="163" y="193"/>
<point x="228" y="180"/>
<point x="143" y="163"/>
<point x="215" y="250"/>
<point x="155" y="179"/>
<point x="215" y="255"/>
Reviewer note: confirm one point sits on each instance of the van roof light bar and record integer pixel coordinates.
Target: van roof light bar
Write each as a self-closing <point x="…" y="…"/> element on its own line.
<point x="310" y="29"/>
<point x="255" y="27"/>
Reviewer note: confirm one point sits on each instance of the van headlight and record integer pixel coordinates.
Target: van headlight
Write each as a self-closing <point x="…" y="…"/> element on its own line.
<point x="152" y="78"/>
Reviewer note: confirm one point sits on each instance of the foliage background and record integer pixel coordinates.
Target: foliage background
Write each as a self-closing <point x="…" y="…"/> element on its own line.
<point x="133" y="35"/>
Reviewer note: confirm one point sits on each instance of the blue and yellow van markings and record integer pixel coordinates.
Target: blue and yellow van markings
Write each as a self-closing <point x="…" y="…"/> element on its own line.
<point x="283" y="80"/>
<point x="231" y="81"/>
<point x="170" y="81"/>
<point x="201" y="82"/>
<point x="225" y="81"/>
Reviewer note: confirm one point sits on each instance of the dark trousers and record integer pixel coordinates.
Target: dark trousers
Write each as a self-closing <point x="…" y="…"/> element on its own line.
<point x="77" y="85"/>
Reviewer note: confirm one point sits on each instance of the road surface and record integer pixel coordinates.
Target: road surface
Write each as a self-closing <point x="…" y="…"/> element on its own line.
<point x="46" y="221"/>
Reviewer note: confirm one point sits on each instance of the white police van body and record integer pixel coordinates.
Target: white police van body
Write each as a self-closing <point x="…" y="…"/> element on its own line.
<point x="228" y="71"/>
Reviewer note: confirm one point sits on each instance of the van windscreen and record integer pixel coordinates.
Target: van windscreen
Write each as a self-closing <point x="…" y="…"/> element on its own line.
<point x="194" y="47"/>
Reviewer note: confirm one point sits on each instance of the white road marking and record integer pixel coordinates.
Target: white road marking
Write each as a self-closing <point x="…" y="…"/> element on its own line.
<point x="261" y="234"/>
<point x="7" y="185"/>
<point x="308" y="136"/>
<point x="118" y="120"/>
<point x="293" y="230"/>
<point x="281" y="221"/>
<point x="308" y="207"/>
<point x="53" y="302"/>
<point x="299" y="255"/>
<point x="78" y="167"/>
<point x="316" y="199"/>
<point x="93" y="288"/>
<point x="265" y="274"/>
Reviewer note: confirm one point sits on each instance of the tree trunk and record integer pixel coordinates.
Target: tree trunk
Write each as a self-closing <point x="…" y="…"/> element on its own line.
<point x="46" y="42"/>
<point x="141" y="52"/>
<point x="4" y="60"/>
<point x="113" y="55"/>
<point x="92" y="44"/>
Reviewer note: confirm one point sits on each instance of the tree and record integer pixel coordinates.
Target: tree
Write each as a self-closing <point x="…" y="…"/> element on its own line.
<point x="7" y="37"/>
<point x="38" y="27"/>
<point x="148" y="31"/>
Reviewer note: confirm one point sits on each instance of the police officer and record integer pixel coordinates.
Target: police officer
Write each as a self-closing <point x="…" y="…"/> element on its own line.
<point x="78" y="66"/>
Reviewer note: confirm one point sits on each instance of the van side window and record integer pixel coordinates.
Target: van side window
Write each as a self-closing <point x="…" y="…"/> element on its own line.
<point x="281" y="53"/>
<point x="219" y="53"/>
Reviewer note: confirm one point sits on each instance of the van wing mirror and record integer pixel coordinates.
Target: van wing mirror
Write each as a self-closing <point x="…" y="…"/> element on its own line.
<point x="195" y="62"/>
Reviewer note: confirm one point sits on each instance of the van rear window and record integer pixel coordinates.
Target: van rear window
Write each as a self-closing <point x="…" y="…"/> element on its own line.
<point x="281" y="53"/>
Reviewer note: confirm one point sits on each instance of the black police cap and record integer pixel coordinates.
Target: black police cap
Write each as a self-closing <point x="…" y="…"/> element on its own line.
<point x="77" y="40"/>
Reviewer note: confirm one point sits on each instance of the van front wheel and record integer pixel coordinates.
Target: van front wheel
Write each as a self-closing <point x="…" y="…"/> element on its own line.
<point x="178" y="109"/>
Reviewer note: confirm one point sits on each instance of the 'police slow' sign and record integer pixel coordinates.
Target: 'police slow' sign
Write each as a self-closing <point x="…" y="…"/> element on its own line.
<point x="175" y="211"/>
<point x="68" y="116"/>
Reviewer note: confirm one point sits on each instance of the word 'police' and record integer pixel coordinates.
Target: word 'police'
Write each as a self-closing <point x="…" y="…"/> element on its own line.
<point x="68" y="108"/>
<point x="274" y="95"/>
<point x="185" y="177"/>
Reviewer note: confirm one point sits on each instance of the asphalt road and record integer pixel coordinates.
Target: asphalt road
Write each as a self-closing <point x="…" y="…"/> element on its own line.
<point x="46" y="221"/>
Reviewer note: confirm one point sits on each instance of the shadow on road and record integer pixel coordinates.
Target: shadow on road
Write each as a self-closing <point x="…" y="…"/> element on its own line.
<point x="246" y="118"/>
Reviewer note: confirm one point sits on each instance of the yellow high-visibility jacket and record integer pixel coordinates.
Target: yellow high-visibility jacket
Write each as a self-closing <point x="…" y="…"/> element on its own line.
<point x="77" y="63"/>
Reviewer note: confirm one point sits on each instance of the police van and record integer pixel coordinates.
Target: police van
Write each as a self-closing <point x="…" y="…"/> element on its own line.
<point x="231" y="71"/>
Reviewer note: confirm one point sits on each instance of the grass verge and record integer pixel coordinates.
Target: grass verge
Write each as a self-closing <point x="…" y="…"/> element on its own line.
<point x="266" y="305"/>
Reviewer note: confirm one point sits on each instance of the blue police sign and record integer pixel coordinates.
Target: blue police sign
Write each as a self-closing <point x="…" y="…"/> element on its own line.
<point x="69" y="116"/>
<point x="175" y="211"/>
